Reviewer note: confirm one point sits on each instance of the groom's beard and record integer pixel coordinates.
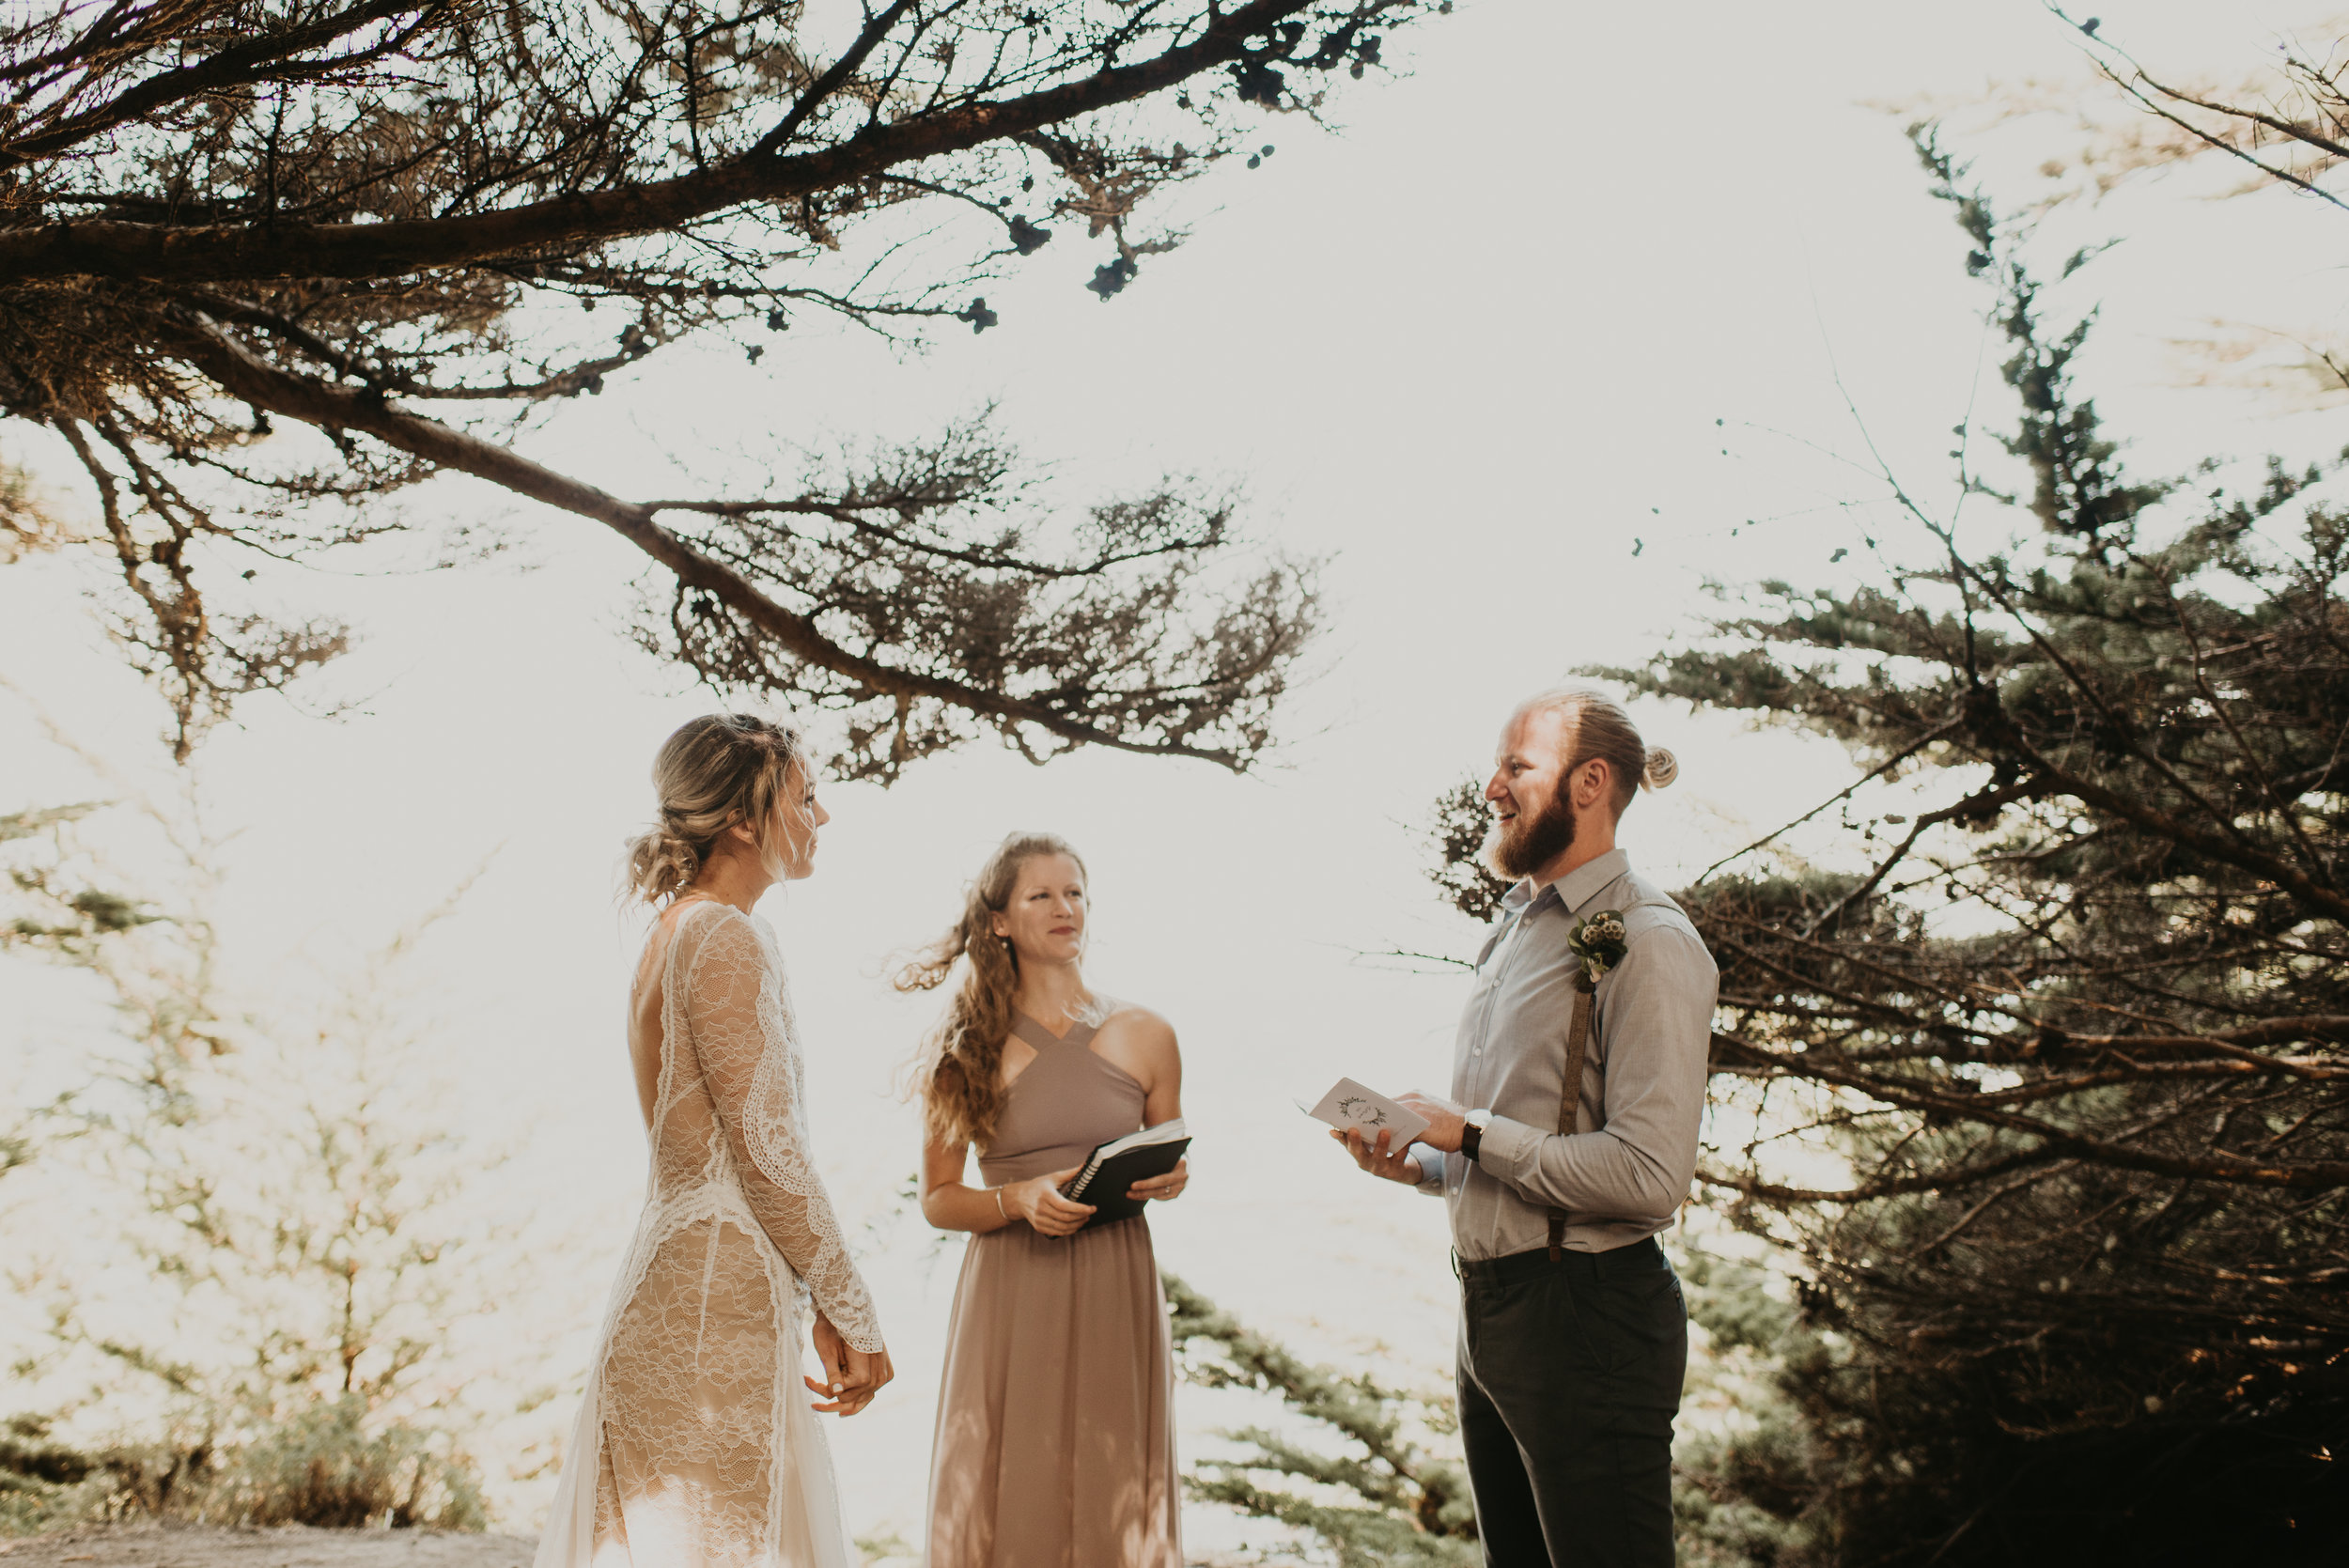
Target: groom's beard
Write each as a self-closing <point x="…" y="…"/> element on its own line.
<point x="1525" y="843"/>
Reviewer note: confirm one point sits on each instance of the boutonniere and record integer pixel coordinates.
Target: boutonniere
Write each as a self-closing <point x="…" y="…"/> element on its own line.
<point x="1598" y="941"/>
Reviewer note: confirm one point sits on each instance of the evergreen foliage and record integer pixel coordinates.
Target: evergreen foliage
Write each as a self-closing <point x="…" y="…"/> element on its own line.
<point x="244" y="1236"/>
<point x="1462" y="823"/>
<point x="264" y="264"/>
<point x="2082" y="1031"/>
<point x="2078" y="1029"/>
<point x="1353" y="1476"/>
<point x="50" y="907"/>
<point x="1364" y="1486"/>
<point x="1745" y="1460"/>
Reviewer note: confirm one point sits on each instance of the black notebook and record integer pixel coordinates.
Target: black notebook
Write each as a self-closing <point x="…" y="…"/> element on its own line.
<point x="1116" y="1166"/>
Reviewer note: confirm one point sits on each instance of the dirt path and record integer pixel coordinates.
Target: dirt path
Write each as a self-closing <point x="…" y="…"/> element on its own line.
<point x="151" y="1546"/>
<point x="294" y="1547"/>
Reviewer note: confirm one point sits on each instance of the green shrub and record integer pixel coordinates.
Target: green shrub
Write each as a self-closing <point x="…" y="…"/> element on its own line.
<point x="322" y="1467"/>
<point x="45" y="1484"/>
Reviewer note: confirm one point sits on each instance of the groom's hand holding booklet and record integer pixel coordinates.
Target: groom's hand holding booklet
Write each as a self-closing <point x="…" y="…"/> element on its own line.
<point x="1352" y="1108"/>
<point x="1109" y="1171"/>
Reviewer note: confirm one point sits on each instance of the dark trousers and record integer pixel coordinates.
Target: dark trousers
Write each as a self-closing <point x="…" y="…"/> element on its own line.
<point x="1570" y="1376"/>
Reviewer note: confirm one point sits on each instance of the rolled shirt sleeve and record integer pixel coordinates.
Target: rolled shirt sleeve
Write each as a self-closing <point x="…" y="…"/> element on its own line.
<point x="1656" y="1019"/>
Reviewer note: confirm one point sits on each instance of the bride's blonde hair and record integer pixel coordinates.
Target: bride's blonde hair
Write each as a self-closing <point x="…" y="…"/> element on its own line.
<point x="959" y="1072"/>
<point x="715" y="771"/>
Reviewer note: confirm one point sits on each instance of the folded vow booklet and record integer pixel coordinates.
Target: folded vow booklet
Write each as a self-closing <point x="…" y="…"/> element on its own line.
<point x="1116" y="1166"/>
<point x="1368" y="1111"/>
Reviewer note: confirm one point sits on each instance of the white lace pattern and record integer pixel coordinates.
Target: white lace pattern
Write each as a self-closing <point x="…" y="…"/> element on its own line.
<point x="695" y="1444"/>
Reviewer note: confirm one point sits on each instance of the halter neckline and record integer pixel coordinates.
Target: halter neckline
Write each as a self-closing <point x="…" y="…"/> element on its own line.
<point x="1029" y="1028"/>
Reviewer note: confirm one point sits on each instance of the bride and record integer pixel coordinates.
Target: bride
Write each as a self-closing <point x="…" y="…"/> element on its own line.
<point x="695" y="1446"/>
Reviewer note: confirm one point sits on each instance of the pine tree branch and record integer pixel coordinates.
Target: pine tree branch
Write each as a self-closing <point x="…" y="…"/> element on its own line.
<point x="241" y="65"/>
<point x="2057" y="1141"/>
<point x="1937" y="733"/>
<point x="1941" y="1180"/>
<point x="129" y="251"/>
<point x="2232" y="849"/>
<point x="330" y="408"/>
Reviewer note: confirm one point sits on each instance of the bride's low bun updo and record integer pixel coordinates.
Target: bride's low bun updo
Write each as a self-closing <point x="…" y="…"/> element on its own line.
<point x="714" y="772"/>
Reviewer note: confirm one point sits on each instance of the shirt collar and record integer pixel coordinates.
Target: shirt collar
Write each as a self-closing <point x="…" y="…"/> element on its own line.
<point x="1586" y="882"/>
<point x="1574" y="888"/>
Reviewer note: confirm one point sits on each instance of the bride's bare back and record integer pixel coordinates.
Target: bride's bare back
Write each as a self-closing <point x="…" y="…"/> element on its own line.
<point x="643" y="1007"/>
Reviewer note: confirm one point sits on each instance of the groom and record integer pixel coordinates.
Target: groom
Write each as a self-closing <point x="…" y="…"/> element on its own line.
<point x="1573" y="1334"/>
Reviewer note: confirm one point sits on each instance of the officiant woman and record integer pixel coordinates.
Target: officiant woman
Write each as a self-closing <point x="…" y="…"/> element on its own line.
<point x="1056" y="1442"/>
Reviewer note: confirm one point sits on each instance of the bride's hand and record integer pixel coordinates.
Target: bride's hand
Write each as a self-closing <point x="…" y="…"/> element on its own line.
<point x="1038" y="1201"/>
<point x="853" y="1376"/>
<point x="1162" y="1187"/>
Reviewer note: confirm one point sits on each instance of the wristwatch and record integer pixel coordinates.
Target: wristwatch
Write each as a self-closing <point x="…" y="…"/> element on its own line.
<point x="1472" y="1135"/>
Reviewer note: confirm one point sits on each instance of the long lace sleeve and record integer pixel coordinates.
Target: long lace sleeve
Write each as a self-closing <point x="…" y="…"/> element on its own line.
<point x="748" y="1057"/>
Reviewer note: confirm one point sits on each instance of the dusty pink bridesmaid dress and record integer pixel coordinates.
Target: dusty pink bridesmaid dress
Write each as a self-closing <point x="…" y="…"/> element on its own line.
<point x="1055" y="1445"/>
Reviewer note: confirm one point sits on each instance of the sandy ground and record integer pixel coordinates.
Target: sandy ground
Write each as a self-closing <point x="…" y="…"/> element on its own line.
<point x="151" y="1546"/>
<point x="148" y="1545"/>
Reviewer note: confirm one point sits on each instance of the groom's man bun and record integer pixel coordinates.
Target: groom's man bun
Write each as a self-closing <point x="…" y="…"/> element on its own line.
<point x="1597" y="729"/>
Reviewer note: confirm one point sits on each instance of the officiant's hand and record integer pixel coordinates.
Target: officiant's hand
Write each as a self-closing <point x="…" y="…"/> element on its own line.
<point x="1169" y="1185"/>
<point x="1374" y="1157"/>
<point x="1446" y="1121"/>
<point x="852" y="1376"/>
<point x="1038" y="1201"/>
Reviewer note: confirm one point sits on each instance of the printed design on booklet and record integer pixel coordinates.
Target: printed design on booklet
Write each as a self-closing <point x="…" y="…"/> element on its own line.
<point x="1349" y="1104"/>
<point x="1598" y="941"/>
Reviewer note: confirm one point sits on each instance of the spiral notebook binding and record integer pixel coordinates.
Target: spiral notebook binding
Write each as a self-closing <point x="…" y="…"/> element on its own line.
<point x="1167" y="1131"/>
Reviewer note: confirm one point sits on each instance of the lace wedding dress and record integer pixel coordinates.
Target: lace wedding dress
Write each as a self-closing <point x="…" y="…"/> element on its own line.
<point x="695" y="1445"/>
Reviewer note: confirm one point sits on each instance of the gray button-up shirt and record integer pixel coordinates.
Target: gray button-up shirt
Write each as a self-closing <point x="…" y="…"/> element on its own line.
<point x="1622" y="1174"/>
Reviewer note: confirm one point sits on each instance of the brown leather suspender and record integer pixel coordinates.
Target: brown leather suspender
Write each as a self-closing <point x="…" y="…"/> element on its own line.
<point x="1570" y="1102"/>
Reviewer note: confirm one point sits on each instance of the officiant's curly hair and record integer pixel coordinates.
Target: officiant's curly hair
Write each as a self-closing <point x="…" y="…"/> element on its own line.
<point x="959" y="1073"/>
<point x="714" y="772"/>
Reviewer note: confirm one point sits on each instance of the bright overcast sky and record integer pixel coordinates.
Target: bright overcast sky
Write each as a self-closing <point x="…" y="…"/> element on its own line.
<point x="1471" y="348"/>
